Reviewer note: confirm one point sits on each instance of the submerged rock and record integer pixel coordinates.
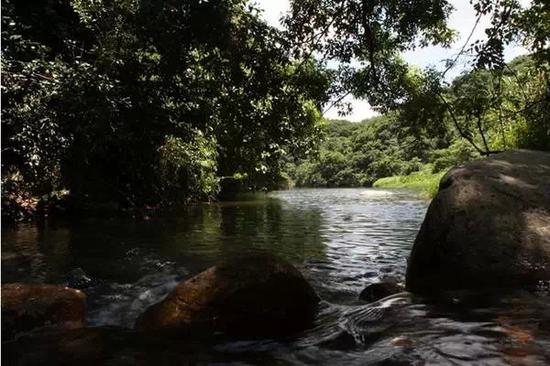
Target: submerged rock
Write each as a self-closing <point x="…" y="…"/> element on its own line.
<point x="26" y="306"/>
<point x="78" y="279"/>
<point x="90" y="346"/>
<point x="380" y="290"/>
<point x="487" y="227"/>
<point x="84" y="346"/>
<point x="253" y="296"/>
<point x="114" y="346"/>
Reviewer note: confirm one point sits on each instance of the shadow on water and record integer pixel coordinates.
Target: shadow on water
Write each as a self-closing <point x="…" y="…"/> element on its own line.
<point x="341" y="239"/>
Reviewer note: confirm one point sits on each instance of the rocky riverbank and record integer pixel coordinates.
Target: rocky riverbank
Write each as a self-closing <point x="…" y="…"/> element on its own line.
<point x="252" y="296"/>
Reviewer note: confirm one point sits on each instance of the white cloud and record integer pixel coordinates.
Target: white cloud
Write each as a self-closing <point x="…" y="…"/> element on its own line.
<point x="273" y="10"/>
<point x="360" y="110"/>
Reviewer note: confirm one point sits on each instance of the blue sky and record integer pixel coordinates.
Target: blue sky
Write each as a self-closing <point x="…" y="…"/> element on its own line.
<point x="462" y="20"/>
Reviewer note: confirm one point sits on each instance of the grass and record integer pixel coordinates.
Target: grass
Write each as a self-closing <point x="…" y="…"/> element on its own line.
<point x="426" y="183"/>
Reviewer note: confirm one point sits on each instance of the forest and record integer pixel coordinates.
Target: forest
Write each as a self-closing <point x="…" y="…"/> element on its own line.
<point x="132" y="104"/>
<point x="505" y="117"/>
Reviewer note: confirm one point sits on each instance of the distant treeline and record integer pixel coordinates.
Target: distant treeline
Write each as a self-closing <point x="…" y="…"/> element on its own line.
<point x="490" y="116"/>
<point x="358" y="154"/>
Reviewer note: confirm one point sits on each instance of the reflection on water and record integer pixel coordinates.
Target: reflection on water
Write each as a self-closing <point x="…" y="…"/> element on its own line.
<point x="341" y="239"/>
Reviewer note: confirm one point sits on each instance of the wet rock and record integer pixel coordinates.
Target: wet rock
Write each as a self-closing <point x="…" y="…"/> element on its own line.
<point x="29" y="306"/>
<point x="377" y="291"/>
<point x="253" y="296"/>
<point x="488" y="226"/>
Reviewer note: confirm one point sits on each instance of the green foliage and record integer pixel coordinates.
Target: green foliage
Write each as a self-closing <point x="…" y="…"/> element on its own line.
<point x="357" y="154"/>
<point x="366" y="38"/>
<point x="17" y="203"/>
<point x="487" y="111"/>
<point x="493" y="110"/>
<point x="188" y="169"/>
<point x="423" y="181"/>
<point x="511" y="21"/>
<point x="104" y="98"/>
<point x="142" y="102"/>
<point x="457" y="153"/>
<point x="526" y="104"/>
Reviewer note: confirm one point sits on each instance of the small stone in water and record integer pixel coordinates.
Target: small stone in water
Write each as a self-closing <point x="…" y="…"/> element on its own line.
<point x="377" y="291"/>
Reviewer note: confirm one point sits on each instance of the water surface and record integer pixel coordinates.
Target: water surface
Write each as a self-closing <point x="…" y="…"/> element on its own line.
<point x="341" y="240"/>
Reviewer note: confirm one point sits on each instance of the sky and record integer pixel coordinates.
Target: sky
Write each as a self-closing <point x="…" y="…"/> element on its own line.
<point x="462" y="20"/>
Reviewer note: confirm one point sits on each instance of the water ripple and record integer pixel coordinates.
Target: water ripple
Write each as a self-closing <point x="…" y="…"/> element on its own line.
<point x="341" y="239"/>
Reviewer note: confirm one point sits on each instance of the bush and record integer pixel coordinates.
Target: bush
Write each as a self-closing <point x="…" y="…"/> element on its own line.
<point x="457" y="153"/>
<point x="188" y="169"/>
<point x="17" y="203"/>
<point x="427" y="183"/>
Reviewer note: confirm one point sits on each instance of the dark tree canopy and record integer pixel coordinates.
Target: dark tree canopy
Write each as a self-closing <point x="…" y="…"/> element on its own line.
<point x="366" y="38"/>
<point x="148" y="101"/>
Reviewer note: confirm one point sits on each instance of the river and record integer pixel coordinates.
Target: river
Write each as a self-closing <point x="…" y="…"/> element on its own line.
<point x="340" y="239"/>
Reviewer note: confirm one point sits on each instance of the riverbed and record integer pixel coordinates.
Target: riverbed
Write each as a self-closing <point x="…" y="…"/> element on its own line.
<point x="340" y="239"/>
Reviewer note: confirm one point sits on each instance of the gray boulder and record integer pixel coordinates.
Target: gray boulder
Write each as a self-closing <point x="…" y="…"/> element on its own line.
<point x="487" y="227"/>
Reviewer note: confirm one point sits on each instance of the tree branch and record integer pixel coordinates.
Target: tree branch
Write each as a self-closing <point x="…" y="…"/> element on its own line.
<point x="333" y="104"/>
<point x="457" y="125"/>
<point x="479" y="127"/>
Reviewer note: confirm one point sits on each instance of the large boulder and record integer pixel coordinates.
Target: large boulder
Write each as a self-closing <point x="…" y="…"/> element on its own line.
<point x="26" y="306"/>
<point x="487" y="227"/>
<point x="252" y="296"/>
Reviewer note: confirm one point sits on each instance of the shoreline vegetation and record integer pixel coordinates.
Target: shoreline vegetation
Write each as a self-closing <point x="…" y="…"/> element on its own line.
<point x="426" y="183"/>
<point x="380" y="152"/>
<point x="412" y="147"/>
